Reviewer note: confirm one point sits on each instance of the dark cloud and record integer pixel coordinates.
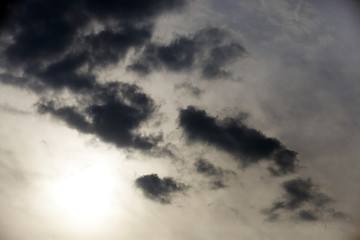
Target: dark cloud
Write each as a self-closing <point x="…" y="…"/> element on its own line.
<point x="43" y="31"/>
<point x="248" y="145"/>
<point x="210" y="50"/>
<point x="65" y="74"/>
<point x="70" y="115"/>
<point x="49" y="38"/>
<point x="300" y="194"/>
<point x="129" y="10"/>
<point x="159" y="189"/>
<point x="111" y="45"/>
<point x="111" y="111"/>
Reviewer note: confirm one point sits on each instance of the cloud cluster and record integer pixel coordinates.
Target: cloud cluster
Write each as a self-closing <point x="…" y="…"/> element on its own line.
<point x="59" y="46"/>
<point x="159" y="189"/>
<point x="246" y="144"/>
<point x="211" y="50"/>
<point x="249" y="146"/>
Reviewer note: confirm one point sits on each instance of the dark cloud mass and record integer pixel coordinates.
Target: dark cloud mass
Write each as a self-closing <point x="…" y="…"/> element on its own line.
<point x="113" y="113"/>
<point x="159" y="189"/>
<point x="64" y="74"/>
<point x="5" y="8"/>
<point x="248" y="145"/>
<point x="109" y="46"/>
<point x="42" y="31"/>
<point x="209" y="50"/>
<point x="54" y="47"/>
<point x="139" y="10"/>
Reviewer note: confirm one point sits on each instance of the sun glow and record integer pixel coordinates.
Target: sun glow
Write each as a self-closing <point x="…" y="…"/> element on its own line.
<point x="85" y="198"/>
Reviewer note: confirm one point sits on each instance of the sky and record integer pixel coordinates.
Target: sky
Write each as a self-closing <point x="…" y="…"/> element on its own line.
<point x="179" y="119"/>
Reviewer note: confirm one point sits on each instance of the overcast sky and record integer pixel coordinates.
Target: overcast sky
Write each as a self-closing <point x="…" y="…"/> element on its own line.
<point x="179" y="119"/>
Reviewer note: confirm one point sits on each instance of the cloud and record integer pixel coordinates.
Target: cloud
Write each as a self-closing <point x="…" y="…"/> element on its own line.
<point x="285" y="161"/>
<point x="206" y="168"/>
<point x="111" y="45"/>
<point x="111" y="111"/>
<point x="159" y="189"/>
<point x="136" y="11"/>
<point x="195" y="91"/>
<point x="22" y="82"/>
<point x="12" y="110"/>
<point x="217" y="175"/>
<point x="246" y="144"/>
<point x="308" y="215"/>
<point x="211" y="50"/>
<point x="64" y="74"/>
<point x="35" y="37"/>
<point x="303" y="198"/>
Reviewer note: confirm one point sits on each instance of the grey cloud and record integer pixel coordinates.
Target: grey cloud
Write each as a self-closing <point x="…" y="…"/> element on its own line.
<point x="27" y="83"/>
<point x="159" y="189"/>
<point x="12" y="110"/>
<point x="298" y="191"/>
<point x="219" y="57"/>
<point x="218" y="184"/>
<point x="285" y="161"/>
<point x="206" y="168"/>
<point x="195" y="91"/>
<point x="177" y="56"/>
<point x="217" y="175"/>
<point x="308" y="215"/>
<point x="303" y="198"/>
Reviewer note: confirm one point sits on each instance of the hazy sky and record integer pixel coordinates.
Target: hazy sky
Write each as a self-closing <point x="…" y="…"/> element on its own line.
<point x="179" y="119"/>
